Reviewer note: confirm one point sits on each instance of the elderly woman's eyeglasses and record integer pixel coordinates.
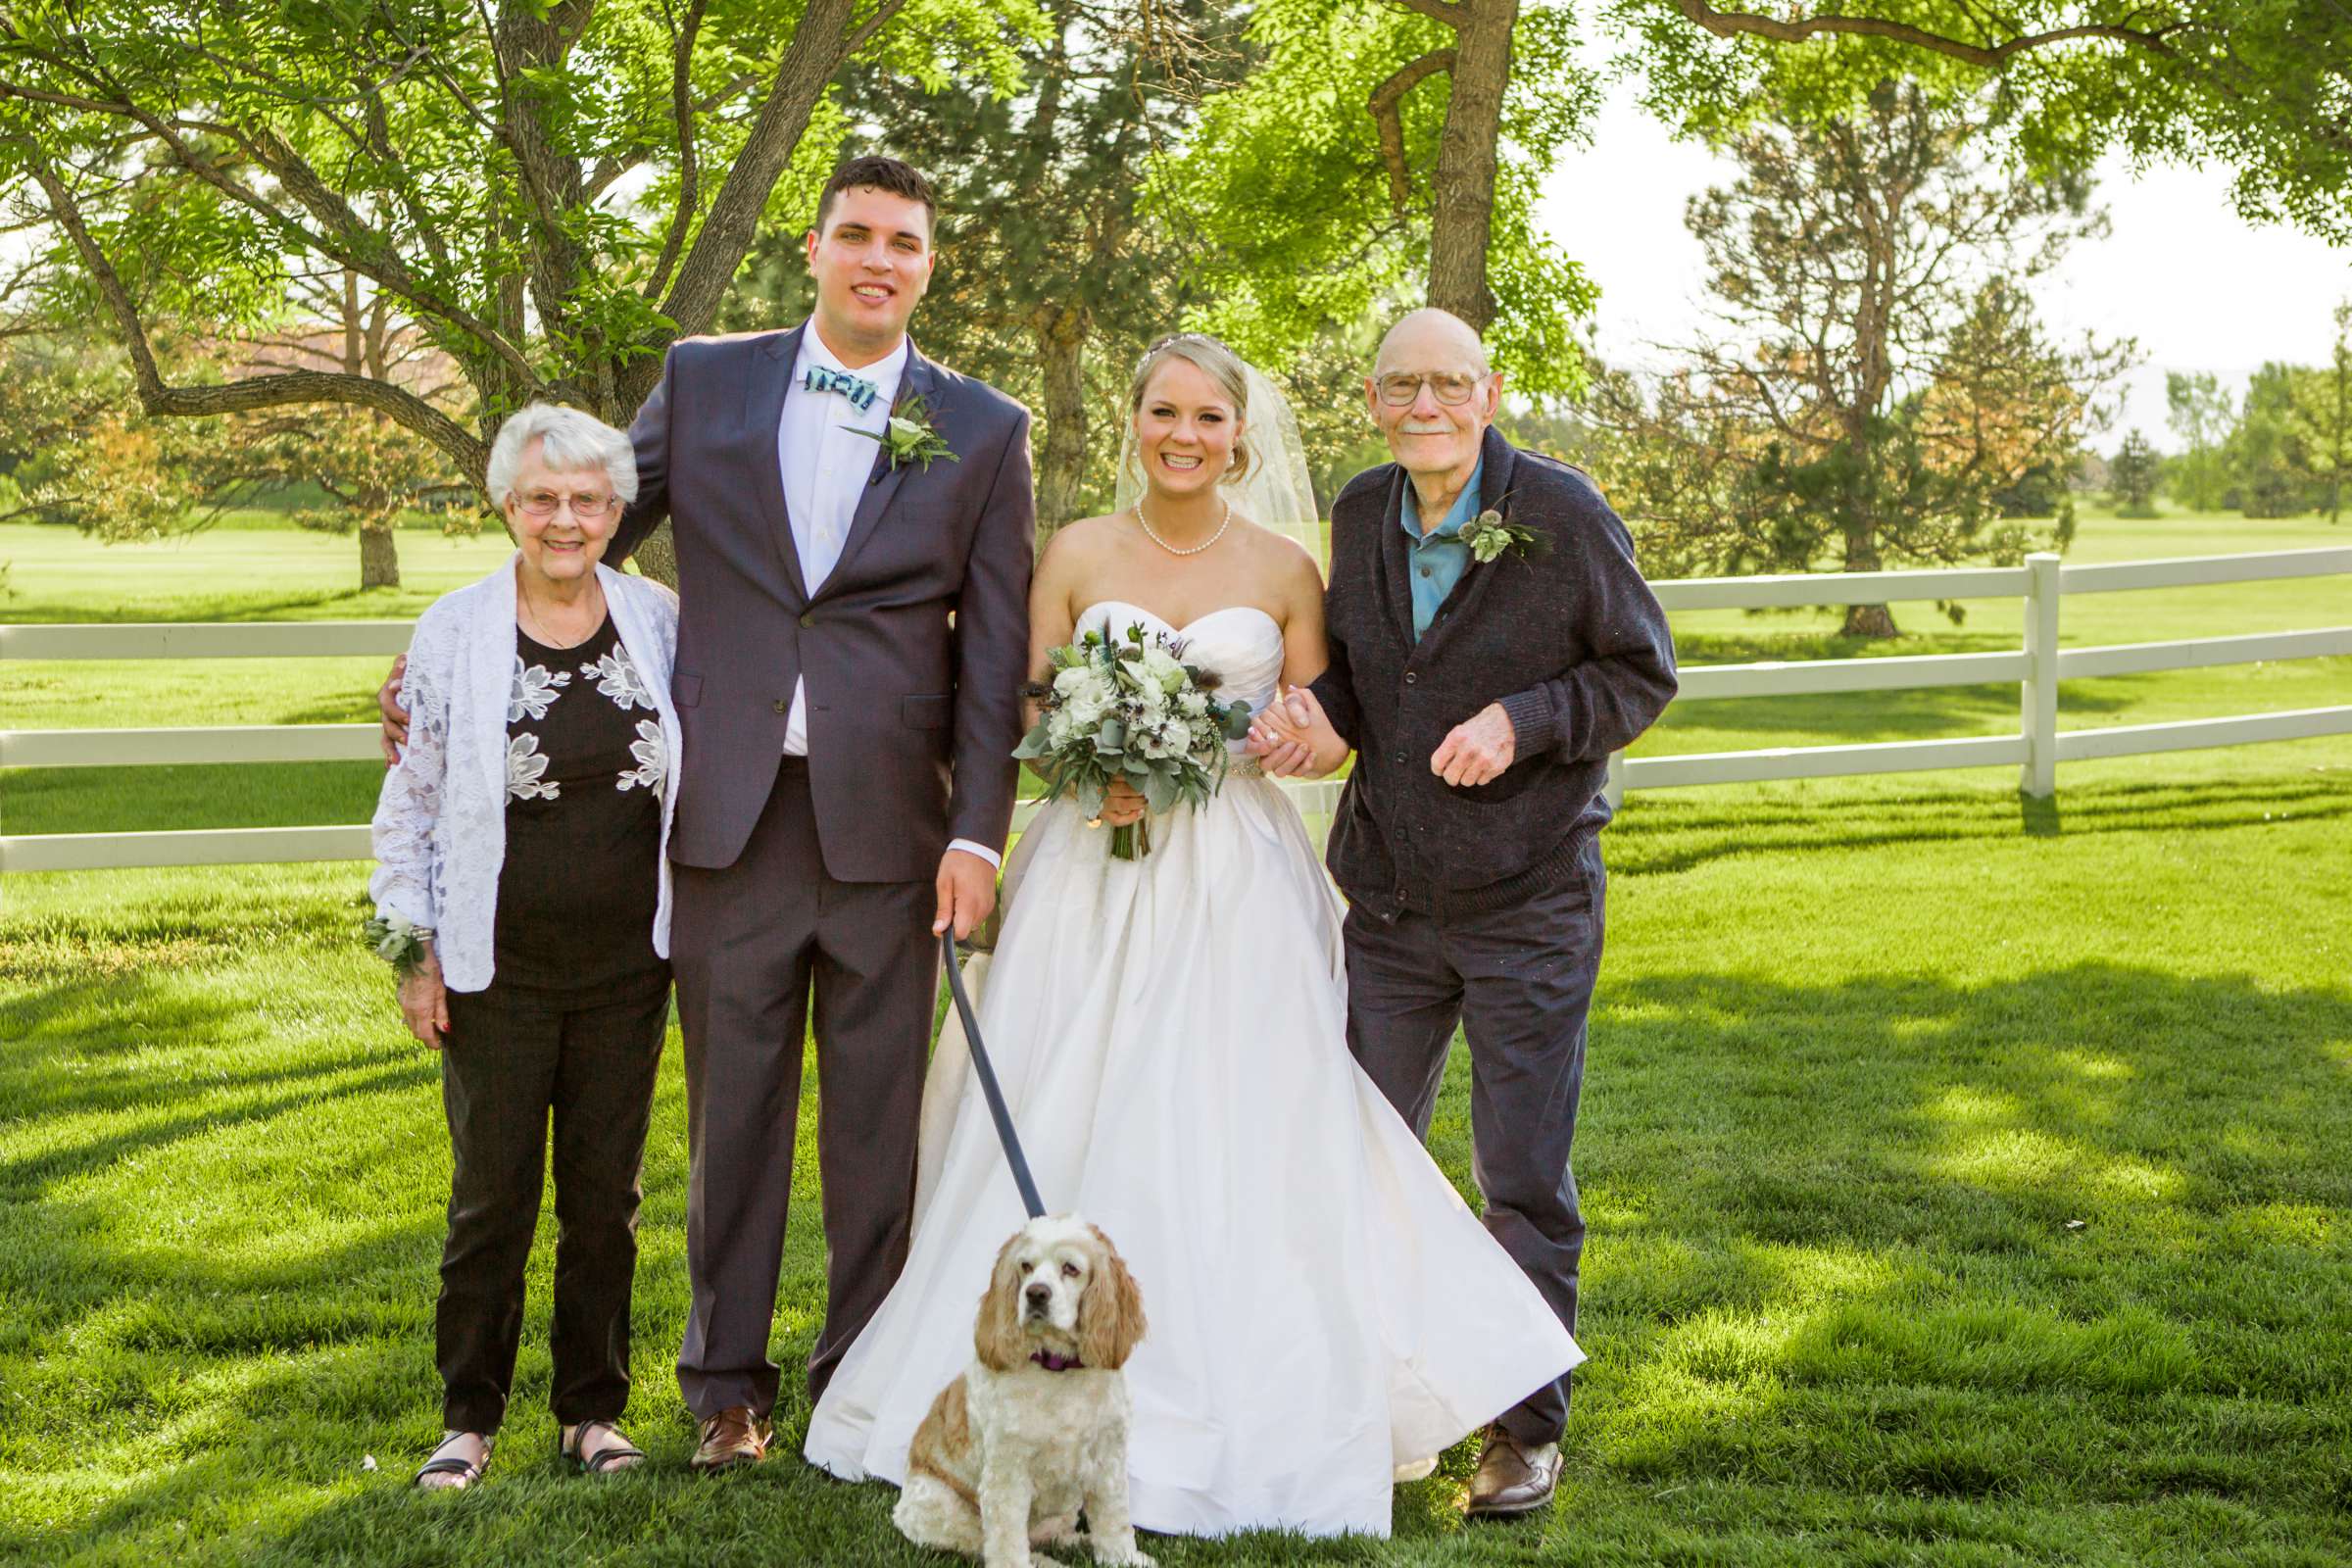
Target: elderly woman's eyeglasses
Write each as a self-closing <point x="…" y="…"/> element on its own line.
<point x="1450" y="387"/>
<point x="545" y="504"/>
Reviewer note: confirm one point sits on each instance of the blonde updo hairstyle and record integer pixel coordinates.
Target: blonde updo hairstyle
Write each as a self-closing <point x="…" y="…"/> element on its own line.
<point x="1220" y="364"/>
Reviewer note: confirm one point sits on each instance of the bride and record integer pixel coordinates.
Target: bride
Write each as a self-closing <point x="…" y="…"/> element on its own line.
<point x="1171" y="1035"/>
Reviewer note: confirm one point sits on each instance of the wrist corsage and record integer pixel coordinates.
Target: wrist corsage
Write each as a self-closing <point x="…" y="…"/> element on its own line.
<point x="399" y="941"/>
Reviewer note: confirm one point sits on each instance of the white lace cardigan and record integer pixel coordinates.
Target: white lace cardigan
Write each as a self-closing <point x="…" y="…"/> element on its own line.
<point x="441" y="821"/>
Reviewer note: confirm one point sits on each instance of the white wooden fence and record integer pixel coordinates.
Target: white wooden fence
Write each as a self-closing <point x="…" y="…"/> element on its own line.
<point x="2037" y="749"/>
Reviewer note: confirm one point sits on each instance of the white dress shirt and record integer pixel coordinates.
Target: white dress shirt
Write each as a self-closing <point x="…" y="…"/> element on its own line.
<point x="825" y="464"/>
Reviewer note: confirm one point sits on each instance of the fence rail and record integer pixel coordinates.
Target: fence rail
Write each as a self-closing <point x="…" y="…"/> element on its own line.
<point x="2036" y="748"/>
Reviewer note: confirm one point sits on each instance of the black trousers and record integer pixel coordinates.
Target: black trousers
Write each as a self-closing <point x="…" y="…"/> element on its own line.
<point x="757" y="945"/>
<point x="1521" y="981"/>
<point x="514" y="1059"/>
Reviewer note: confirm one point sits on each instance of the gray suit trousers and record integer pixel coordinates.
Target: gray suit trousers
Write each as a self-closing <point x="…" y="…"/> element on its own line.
<point x="1520" y="979"/>
<point x="754" y="945"/>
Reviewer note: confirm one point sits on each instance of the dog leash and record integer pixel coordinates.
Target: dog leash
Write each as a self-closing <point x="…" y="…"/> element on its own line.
<point x="988" y="1082"/>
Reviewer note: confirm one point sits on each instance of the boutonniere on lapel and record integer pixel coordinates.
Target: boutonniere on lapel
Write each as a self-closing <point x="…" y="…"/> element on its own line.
<point x="1488" y="537"/>
<point x="909" y="435"/>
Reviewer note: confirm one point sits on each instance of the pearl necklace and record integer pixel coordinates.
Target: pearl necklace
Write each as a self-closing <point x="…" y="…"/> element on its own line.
<point x="1194" y="550"/>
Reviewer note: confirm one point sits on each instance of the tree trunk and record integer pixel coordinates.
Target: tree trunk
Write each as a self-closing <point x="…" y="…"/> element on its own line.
<point x="658" y="556"/>
<point x="1862" y="555"/>
<point x="1463" y="226"/>
<point x="1061" y="336"/>
<point x="380" y="555"/>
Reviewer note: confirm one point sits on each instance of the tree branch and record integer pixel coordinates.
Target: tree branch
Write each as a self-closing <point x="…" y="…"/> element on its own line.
<point x="690" y="170"/>
<point x="817" y="50"/>
<point x="1738" y="24"/>
<point x="1388" y="116"/>
<point x="259" y="392"/>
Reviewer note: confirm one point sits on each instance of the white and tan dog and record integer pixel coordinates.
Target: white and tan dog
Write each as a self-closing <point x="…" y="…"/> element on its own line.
<point x="1035" y="1430"/>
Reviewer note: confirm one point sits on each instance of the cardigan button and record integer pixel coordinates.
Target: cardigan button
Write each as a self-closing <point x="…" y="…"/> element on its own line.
<point x="1410" y="678"/>
<point x="808" y="619"/>
<point x="783" y="704"/>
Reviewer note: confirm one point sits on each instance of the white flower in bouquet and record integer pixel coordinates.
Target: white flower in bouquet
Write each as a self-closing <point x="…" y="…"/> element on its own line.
<point x="1161" y="670"/>
<point x="1130" y="710"/>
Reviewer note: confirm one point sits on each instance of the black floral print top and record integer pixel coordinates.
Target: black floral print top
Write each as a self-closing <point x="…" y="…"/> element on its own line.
<point x="586" y="763"/>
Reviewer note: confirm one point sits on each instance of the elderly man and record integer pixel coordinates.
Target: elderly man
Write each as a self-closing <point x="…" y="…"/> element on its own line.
<point x="1492" y="643"/>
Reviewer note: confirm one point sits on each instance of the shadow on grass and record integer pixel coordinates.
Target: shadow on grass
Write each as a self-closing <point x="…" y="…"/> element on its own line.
<point x="1831" y="1264"/>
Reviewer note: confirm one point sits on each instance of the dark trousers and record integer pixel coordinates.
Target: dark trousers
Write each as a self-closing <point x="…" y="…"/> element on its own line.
<point x="512" y="1058"/>
<point x="756" y="945"/>
<point x="1521" y="981"/>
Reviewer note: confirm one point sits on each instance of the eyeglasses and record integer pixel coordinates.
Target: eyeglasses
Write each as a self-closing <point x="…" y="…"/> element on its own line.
<point x="545" y="504"/>
<point x="1450" y="387"/>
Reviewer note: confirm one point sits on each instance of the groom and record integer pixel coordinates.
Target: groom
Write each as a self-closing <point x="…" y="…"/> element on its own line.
<point x="1483" y="684"/>
<point x="853" y="636"/>
<point x="852" y="641"/>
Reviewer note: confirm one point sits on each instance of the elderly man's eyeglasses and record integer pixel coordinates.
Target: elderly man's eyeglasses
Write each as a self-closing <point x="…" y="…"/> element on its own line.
<point x="545" y="504"/>
<point x="1450" y="387"/>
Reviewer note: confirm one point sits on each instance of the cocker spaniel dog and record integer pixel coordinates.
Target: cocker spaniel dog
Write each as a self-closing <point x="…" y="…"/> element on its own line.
<point x="1035" y="1430"/>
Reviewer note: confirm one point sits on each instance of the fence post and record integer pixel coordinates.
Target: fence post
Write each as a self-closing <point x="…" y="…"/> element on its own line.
<point x="2038" y="696"/>
<point x="1613" y="791"/>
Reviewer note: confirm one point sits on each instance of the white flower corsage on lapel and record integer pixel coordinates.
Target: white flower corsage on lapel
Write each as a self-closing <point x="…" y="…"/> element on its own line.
<point x="908" y="436"/>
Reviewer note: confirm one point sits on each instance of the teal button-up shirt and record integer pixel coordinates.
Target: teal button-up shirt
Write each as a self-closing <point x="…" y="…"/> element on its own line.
<point x="1434" y="562"/>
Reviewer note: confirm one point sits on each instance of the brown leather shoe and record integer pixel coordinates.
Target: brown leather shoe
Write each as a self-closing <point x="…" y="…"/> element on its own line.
<point x="733" y="1437"/>
<point x="1513" y="1477"/>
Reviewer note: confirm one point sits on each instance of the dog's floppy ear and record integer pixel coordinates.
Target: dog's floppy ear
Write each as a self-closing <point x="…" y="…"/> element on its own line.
<point x="997" y="1331"/>
<point x="1110" y="1314"/>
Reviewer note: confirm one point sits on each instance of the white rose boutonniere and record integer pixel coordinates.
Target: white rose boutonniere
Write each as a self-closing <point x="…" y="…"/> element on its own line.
<point x="908" y="436"/>
<point x="1488" y="537"/>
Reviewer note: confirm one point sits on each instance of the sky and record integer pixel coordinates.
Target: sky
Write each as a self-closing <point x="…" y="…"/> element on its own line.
<point x="2200" y="287"/>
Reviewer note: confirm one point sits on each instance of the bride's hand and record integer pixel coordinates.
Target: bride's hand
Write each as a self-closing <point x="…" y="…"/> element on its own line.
<point x="1122" y="805"/>
<point x="1294" y="737"/>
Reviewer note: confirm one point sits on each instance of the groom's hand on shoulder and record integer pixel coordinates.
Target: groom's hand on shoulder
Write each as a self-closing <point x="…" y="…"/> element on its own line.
<point x="396" y="717"/>
<point x="967" y="893"/>
<point x="1477" y="749"/>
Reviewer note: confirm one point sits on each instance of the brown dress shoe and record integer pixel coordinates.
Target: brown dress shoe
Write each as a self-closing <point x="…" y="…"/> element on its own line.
<point x="731" y="1437"/>
<point x="1513" y="1477"/>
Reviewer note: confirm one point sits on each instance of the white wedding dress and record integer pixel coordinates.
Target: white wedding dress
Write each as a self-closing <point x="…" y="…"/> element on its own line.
<point x="1171" y="1034"/>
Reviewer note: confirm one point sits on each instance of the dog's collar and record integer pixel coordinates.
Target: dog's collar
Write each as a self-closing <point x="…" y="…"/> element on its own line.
<point x="1057" y="1363"/>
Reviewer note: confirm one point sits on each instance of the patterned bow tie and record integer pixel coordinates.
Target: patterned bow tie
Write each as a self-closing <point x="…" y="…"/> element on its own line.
<point x="857" y="388"/>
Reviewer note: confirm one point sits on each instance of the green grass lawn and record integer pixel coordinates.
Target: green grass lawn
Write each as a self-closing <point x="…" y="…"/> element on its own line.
<point x="1967" y="1179"/>
<point x="1965" y="1189"/>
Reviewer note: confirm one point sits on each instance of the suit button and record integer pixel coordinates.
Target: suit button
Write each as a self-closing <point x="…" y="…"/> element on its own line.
<point x="1410" y="678"/>
<point x="784" y="706"/>
<point x="1399" y="758"/>
<point x="808" y="619"/>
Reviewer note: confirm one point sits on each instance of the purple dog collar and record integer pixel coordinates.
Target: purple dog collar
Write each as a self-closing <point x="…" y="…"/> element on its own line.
<point x="1057" y="1363"/>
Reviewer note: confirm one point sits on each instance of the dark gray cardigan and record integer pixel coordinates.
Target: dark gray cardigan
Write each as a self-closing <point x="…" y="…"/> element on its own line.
<point x="1571" y="642"/>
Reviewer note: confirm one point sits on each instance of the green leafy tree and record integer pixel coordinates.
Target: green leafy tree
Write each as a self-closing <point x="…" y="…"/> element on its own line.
<point x="2269" y="453"/>
<point x="2327" y="406"/>
<point x="2203" y="416"/>
<point x="1347" y="173"/>
<point x="1051" y="278"/>
<point x="1389" y="143"/>
<point x="1879" y="379"/>
<point x="550" y="190"/>
<point x="2133" y="475"/>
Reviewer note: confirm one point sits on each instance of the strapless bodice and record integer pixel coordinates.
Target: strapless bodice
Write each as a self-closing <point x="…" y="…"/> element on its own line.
<point x="1240" y="643"/>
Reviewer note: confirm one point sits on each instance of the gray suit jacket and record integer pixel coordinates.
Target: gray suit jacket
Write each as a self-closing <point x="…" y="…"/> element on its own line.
<point x="914" y="649"/>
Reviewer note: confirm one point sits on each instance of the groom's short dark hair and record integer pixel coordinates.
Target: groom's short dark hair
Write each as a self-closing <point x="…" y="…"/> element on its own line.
<point x="876" y="173"/>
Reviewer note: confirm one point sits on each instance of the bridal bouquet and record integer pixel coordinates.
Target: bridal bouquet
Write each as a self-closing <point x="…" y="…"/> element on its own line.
<point x="1131" y="710"/>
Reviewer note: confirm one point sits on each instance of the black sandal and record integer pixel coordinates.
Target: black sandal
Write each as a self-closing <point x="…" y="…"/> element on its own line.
<point x="571" y="1440"/>
<point x="440" y="1464"/>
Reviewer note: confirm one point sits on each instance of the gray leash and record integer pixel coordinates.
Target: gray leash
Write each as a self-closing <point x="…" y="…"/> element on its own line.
<point x="988" y="1083"/>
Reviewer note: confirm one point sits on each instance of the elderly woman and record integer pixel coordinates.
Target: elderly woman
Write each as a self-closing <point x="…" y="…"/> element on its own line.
<point x="524" y="889"/>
